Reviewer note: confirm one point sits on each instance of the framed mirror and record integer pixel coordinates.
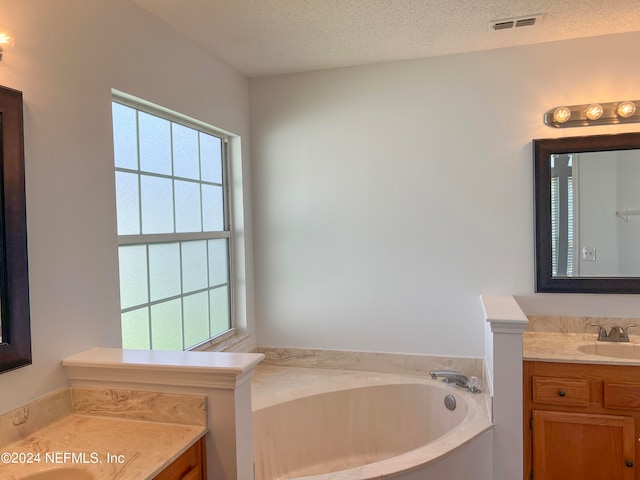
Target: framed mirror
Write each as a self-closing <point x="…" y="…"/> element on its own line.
<point x="15" y="340"/>
<point x="587" y="214"/>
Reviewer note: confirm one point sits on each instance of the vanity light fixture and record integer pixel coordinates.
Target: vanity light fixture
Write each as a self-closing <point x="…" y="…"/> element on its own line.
<point x="593" y="114"/>
<point x="7" y="40"/>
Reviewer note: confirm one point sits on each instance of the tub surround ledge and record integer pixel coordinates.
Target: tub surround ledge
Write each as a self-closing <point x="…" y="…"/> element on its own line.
<point x="223" y="377"/>
<point x="504" y="314"/>
<point x="226" y="370"/>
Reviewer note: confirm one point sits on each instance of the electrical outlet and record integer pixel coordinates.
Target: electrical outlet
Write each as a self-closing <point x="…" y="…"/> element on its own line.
<point x="588" y="254"/>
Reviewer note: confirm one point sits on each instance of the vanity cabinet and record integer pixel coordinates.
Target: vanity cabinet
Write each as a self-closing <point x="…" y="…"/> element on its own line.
<point x="190" y="465"/>
<point x="580" y="421"/>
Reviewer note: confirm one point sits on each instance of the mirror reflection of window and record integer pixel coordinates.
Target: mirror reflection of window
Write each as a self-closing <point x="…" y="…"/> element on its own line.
<point x="562" y="216"/>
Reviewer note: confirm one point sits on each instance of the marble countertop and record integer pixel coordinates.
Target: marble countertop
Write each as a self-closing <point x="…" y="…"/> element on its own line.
<point x="106" y="433"/>
<point x="107" y="448"/>
<point x="566" y="347"/>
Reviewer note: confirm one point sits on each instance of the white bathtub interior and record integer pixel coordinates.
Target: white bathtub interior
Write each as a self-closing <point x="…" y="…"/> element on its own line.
<point x="319" y="423"/>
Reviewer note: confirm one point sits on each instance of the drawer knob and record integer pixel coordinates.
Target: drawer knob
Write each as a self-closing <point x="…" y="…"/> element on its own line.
<point x="629" y="463"/>
<point x="562" y="393"/>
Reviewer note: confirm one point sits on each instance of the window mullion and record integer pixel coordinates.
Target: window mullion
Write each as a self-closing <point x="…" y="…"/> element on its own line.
<point x="149" y="299"/>
<point x="138" y="173"/>
<point x="225" y="185"/>
<point x="182" y="296"/>
<point x="173" y="178"/>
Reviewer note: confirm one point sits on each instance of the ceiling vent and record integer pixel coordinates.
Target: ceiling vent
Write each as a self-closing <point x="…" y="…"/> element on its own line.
<point x="508" y="23"/>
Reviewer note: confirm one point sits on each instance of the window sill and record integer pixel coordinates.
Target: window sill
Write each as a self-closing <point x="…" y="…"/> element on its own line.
<point x="232" y="342"/>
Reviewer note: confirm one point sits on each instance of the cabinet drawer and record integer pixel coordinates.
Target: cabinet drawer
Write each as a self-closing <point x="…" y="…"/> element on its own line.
<point x="560" y="391"/>
<point x="621" y="395"/>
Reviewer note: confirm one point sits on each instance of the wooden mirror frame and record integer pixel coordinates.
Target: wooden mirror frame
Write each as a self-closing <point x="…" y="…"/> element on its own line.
<point x="542" y="151"/>
<point x="15" y="347"/>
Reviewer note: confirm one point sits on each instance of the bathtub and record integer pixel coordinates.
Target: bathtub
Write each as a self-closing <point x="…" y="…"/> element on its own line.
<point x="330" y="424"/>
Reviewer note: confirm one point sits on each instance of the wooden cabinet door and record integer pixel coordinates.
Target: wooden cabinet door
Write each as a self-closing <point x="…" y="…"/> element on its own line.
<point x="569" y="446"/>
<point x="191" y="465"/>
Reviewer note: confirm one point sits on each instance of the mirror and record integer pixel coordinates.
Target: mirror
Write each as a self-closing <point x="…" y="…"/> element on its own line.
<point x="15" y="339"/>
<point x="587" y="214"/>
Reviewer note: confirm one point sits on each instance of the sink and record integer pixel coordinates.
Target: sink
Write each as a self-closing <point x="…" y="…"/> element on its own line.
<point x="61" y="473"/>
<point x="628" y="351"/>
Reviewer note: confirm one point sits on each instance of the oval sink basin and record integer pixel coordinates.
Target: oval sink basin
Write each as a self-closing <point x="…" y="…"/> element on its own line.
<point x="627" y="351"/>
<point x="62" y="473"/>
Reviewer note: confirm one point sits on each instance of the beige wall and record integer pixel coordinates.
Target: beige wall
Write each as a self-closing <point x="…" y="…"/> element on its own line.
<point x="69" y="54"/>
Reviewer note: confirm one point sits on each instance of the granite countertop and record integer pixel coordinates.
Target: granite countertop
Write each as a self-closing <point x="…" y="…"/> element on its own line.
<point x="566" y="347"/>
<point x="107" y="448"/>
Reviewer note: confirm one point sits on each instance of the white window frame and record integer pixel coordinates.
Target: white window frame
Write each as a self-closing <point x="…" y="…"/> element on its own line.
<point x="227" y="233"/>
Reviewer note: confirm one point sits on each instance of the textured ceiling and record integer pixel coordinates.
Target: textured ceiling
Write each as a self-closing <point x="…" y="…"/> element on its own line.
<point x="269" y="37"/>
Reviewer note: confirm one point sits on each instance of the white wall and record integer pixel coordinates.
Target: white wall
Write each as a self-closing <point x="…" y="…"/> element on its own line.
<point x="629" y="195"/>
<point x="598" y="224"/>
<point x="69" y="54"/>
<point x="388" y="197"/>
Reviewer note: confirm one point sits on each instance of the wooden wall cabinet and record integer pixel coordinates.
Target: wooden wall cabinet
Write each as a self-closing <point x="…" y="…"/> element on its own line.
<point x="191" y="465"/>
<point x="580" y="421"/>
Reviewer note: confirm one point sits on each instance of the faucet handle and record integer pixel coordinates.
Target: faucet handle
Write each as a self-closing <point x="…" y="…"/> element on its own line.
<point x="626" y="328"/>
<point x="473" y="385"/>
<point x="602" y="333"/>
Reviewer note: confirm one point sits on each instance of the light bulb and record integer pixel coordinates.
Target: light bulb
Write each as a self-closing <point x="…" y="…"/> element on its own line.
<point x="561" y="114"/>
<point x="6" y="38"/>
<point x="626" y="109"/>
<point x="594" y="111"/>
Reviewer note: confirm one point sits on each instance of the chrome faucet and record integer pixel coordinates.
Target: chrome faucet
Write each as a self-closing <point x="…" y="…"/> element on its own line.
<point x="620" y="334"/>
<point x="616" y="333"/>
<point x="457" y="378"/>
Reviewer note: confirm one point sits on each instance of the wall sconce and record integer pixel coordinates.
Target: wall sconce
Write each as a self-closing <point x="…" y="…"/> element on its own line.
<point x="593" y="114"/>
<point x="7" y="40"/>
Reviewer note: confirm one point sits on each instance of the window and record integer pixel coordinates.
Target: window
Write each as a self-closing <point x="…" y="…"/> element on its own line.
<point x="174" y="235"/>
<point x="562" y="216"/>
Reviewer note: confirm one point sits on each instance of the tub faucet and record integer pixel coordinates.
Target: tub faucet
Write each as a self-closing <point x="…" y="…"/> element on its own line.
<point x="457" y="378"/>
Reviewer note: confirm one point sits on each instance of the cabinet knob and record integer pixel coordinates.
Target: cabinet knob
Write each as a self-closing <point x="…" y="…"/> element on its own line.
<point x="562" y="393"/>
<point x="629" y="463"/>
